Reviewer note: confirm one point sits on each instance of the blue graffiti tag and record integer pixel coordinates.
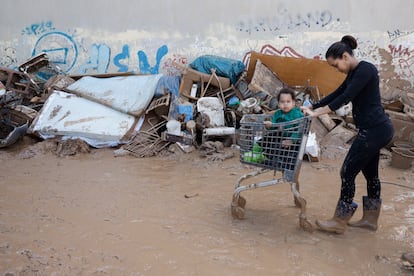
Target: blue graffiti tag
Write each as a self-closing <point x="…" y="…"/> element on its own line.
<point x="99" y="59"/>
<point x="144" y="66"/>
<point x="124" y="55"/>
<point x="38" y="28"/>
<point x="60" y="48"/>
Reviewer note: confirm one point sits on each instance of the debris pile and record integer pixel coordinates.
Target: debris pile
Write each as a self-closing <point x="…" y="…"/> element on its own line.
<point x="200" y="109"/>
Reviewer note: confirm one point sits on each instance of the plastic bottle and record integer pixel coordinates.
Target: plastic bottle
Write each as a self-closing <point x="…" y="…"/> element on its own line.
<point x="193" y="90"/>
<point x="307" y="102"/>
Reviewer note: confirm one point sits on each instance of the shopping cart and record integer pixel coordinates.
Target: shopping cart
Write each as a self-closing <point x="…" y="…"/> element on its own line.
<point x="279" y="148"/>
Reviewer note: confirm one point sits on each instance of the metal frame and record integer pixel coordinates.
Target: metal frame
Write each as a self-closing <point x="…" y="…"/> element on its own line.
<point x="274" y="156"/>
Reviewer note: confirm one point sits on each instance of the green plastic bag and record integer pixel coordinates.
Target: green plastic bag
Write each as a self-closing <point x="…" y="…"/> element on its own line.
<point x="255" y="155"/>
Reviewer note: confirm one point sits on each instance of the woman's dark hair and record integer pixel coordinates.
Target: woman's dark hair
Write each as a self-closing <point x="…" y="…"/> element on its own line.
<point x="347" y="44"/>
<point x="287" y="90"/>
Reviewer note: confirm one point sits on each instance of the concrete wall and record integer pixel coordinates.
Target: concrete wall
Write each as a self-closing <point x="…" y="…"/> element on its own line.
<point x="101" y="36"/>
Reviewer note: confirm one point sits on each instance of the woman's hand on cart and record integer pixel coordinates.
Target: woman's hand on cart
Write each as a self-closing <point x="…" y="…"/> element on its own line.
<point x="307" y="110"/>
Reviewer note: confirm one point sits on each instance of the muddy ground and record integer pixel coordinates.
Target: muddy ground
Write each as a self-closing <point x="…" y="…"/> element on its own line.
<point x="97" y="214"/>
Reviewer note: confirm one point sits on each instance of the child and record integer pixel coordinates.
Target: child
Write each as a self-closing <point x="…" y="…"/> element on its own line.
<point x="279" y="145"/>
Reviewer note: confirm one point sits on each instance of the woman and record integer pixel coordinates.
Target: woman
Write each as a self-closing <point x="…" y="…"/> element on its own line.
<point x="375" y="130"/>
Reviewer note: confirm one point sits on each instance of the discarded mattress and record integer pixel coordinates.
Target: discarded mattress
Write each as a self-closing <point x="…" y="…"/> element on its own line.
<point x="72" y="116"/>
<point x="128" y="94"/>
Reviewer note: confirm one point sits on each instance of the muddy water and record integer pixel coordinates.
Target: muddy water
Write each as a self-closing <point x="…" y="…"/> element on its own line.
<point x="96" y="214"/>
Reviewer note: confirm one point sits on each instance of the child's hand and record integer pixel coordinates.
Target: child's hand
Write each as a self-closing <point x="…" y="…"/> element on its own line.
<point x="268" y="124"/>
<point x="286" y="143"/>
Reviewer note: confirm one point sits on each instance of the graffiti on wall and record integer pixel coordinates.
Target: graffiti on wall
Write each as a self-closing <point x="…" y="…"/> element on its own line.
<point x="65" y="50"/>
<point x="62" y="49"/>
<point x="402" y="53"/>
<point x="393" y="35"/>
<point x="286" y="21"/>
<point x="404" y="59"/>
<point x="8" y="56"/>
<point x="98" y="60"/>
<point x="121" y="60"/>
<point x="171" y="67"/>
<point x="145" y="67"/>
<point x="38" y="28"/>
<point x="270" y="50"/>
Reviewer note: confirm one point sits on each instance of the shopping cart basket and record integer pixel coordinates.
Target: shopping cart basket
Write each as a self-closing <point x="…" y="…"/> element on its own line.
<point x="279" y="148"/>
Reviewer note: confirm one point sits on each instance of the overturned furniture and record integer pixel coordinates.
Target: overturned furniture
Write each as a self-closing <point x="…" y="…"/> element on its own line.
<point x="212" y="120"/>
<point x="147" y="142"/>
<point x="17" y="82"/>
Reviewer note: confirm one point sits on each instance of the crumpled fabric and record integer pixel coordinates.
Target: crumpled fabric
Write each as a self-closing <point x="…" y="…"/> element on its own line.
<point x="224" y="67"/>
<point x="210" y="147"/>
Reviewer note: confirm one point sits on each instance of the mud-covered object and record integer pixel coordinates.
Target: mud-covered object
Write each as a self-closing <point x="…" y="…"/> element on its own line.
<point x="10" y="133"/>
<point x="338" y="224"/>
<point x="13" y="126"/>
<point x="224" y="67"/>
<point x="71" y="147"/>
<point x="210" y="147"/>
<point x="214" y="151"/>
<point x="408" y="257"/>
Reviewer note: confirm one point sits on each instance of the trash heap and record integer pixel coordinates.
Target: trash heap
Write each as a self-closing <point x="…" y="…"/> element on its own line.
<point x="144" y="115"/>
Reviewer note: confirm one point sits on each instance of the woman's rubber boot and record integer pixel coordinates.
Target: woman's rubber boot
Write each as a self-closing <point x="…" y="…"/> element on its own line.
<point x="371" y="212"/>
<point x="342" y="215"/>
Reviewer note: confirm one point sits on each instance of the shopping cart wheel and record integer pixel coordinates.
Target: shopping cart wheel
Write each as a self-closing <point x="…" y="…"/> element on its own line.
<point x="305" y="224"/>
<point x="237" y="212"/>
<point x="241" y="202"/>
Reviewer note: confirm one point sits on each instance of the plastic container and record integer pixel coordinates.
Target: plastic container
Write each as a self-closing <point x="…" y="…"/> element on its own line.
<point x="401" y="158"/>
<point x="247" y="105"/>
<point x="234" y="101"/>
<point x="187" y="110"/>
<point x="193" y="92"/>
<point x="307" y="101"/>
<point x="404" y="145"/>
<point x="174" y="127"/>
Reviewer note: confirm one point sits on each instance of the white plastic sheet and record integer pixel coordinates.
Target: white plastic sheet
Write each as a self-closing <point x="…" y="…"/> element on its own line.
<point x="312" y="147"/>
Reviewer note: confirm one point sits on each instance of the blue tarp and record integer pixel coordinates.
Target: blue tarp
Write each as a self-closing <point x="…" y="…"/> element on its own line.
<point x="224" y="67"/>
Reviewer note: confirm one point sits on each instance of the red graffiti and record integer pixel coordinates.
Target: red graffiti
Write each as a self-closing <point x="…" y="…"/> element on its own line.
<point x="169" y="68"/>
<point x="406" y="66"/>
<point x="400" y="51"/>
<point x="286" y="51"/>
<point x="270" y="50"/>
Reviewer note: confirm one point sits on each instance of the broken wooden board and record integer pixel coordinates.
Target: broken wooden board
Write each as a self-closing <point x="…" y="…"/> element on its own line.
<point x="297" y="71"/>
